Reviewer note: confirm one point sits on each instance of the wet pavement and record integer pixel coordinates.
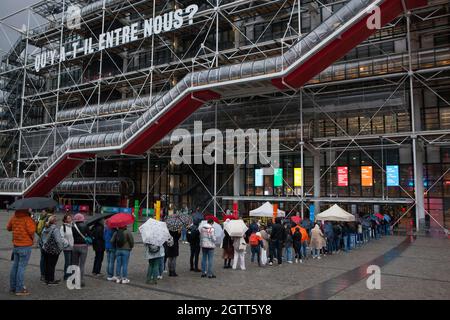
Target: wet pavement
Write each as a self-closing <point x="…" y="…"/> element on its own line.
<point x="411" y="268"/>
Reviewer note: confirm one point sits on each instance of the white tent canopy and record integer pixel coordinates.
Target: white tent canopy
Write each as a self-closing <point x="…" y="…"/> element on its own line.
<point x="266" y="210"/>
<point x="335" y="213"/>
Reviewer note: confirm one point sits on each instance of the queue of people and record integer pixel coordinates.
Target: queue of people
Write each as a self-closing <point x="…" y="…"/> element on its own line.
<point x="283" y="240"/>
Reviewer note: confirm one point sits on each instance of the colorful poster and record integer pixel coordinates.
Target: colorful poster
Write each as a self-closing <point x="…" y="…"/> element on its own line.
<point x="278" y="177"/>
<point x="366" y="176"/>
<point x="259" y="178"/>
<point x="342" y="173"/>
<point x="392" y="176"/>
<point x="297" y="177"/>
<point x="311" y="213"/>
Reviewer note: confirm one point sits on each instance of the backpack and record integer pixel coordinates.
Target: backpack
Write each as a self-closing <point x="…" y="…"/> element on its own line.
<point x="153" y="249"/>
<point x="51" y="246"/>
<point x="297" y="236"/>
<point x="119" y="239"/>
<point x="41" y="225"/>
<point x="193" y="234"/>
<point x="254" y="240"/>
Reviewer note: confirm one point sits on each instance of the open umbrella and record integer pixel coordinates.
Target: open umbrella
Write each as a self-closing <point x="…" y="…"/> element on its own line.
<point x="229" y="216"/>
<point x="197" y="218"/>
<point x="215" y="219"/>
<point x="218" y="231"/>
<point x="176" y="222"/>
<point x="235" y="228"/>
<point x="98" y="217"/>
<point x="35" y="203"/>
<point x="186" y="219"/>
<point x="296" y="219"/>
<point x="379" y="216"/>
<point x="120" y="220"/>
<point x="154" y="232"/>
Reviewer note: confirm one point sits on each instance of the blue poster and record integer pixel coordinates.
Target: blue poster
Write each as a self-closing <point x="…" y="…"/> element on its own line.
<point x="392" y="176"/>
<point x="259" y="181"/>
<point x="311" y="213"/>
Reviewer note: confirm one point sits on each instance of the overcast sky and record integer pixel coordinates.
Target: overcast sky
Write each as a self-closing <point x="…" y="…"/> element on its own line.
<point x="6" y="8"/>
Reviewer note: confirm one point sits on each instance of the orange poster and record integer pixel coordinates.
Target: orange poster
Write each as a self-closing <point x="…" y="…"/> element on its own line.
<point x="366" y="176"/>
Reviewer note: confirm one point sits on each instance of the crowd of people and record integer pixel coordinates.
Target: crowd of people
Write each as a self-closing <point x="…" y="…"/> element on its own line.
<point x="273" y="242"/>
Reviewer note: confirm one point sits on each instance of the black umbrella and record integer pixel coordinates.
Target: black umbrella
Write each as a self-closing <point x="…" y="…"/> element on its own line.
<point x="36" y="203"/>
<point x="99" y="217"/>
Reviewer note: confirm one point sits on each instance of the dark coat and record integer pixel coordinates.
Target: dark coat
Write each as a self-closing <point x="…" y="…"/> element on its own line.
<point x="77" y="238"/>
<point x="278" y="232"/>
<point x="174" y="251"/>
<point x="227" y="242"/>
<point x="98" y="243"/>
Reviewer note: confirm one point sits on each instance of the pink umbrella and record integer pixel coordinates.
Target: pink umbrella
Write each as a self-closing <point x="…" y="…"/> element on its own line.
<point x="120" y="220"/>
<point x="296" y="219"/>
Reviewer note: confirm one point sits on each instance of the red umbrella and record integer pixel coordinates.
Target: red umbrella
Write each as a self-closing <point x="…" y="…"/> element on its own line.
<point x="379" y="216"/>
<point x="120" y="220"/>
<point x="215" y="219"/>
<point x="230" y="216"/>
<point x="296" y="219"/>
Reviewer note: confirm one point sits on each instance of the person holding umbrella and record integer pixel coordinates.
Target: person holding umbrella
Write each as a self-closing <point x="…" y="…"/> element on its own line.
<point x="23" y="228"/>
<point x="110" y="253"/>
<point x="67" y="235"/>
<point x="123" y="241"/>
<point x="172" y="252"/>
<point x="98" y="244"/>
<point x="228" y="249"/>
<point x="193" y="237"/>
<point x="81" y="239"/>
<point x="208" y="244"/>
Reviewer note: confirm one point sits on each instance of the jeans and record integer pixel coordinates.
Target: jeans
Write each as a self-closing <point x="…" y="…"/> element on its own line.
<point x="239" y="255"/>
<point x="50" y="261"/>
<point x="42" y="264"/>
<point x="346" y="240"/>
<point x="303" y="249"/>
<point x="366" y="234"/>
<point x="97" y="269"/>
<point x="289" y="254"/>
<point x="17" y="275"/>
<point x="330" y="244"/>
<point x="162" y="265"/>
<point x="195" y="252"/>
<point x="207" y="261"/>
<point x="352" y="240"/>
<point x="67" y="262"/>
<point x="183" y="234"/>
<point x="315" y="253"/>
<point x="111" y="258"/>
<point x="79" y="255"/>
<point x="122" y="257"/>
<point x="276" y="250"/>
<point x="153" y="268"/>
<point x="337" y="242"/>
<point x="172" y="264"/>
<point x="256" y="251"/>
<point x="387" y="229"/>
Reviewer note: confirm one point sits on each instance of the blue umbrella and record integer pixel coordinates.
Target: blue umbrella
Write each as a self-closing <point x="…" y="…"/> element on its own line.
<point x="387" y="218"/>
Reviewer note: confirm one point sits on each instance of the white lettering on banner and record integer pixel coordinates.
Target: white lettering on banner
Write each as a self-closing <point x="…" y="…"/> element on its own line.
<point x="120" y="36"/>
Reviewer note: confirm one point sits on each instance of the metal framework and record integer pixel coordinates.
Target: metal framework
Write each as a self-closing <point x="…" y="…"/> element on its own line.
<point x="104" y="94"/>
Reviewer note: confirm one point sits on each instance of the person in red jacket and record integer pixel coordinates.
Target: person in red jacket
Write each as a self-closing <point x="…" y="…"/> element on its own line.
<point x="23" y="228"/>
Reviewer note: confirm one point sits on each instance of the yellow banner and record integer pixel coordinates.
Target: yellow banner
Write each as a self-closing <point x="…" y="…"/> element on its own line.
<point x="158" y="210"/>
<point x="298" y="177"/>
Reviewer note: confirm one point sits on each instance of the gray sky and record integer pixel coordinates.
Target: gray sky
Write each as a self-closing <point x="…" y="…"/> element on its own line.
<point x="6" y="8"/>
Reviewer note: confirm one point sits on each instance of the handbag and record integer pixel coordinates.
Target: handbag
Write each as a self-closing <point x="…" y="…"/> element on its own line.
<point x="86" y="239"/>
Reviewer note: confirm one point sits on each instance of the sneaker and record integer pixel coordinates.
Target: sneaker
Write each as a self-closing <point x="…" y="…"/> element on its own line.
<point x="118" y="280"/>
<point x="301" y="261"/>
<point x="23" y="293"/>
<point x="211" y="276"/>
<point x="289" y="262"/>
<point x="125" y="281"/>
<point x="111" y="278"/>
<point x="318" y="258"/>
<point x="203" y="275"/>
<point x="52" y="283"/>
<point x="159" y="277"/>
<point x="243" y="269"/>
<point x="296" y="260"/>
<point x="270" y="263"/>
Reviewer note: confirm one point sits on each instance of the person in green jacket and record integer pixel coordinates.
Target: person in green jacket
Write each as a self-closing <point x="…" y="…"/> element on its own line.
<point x="123" y="241"/>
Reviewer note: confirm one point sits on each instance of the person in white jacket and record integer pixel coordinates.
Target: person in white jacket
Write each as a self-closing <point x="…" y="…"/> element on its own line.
<point x="208" y="243"/>
<point x="66" y="234"/>
<point x="240" y="248"/>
